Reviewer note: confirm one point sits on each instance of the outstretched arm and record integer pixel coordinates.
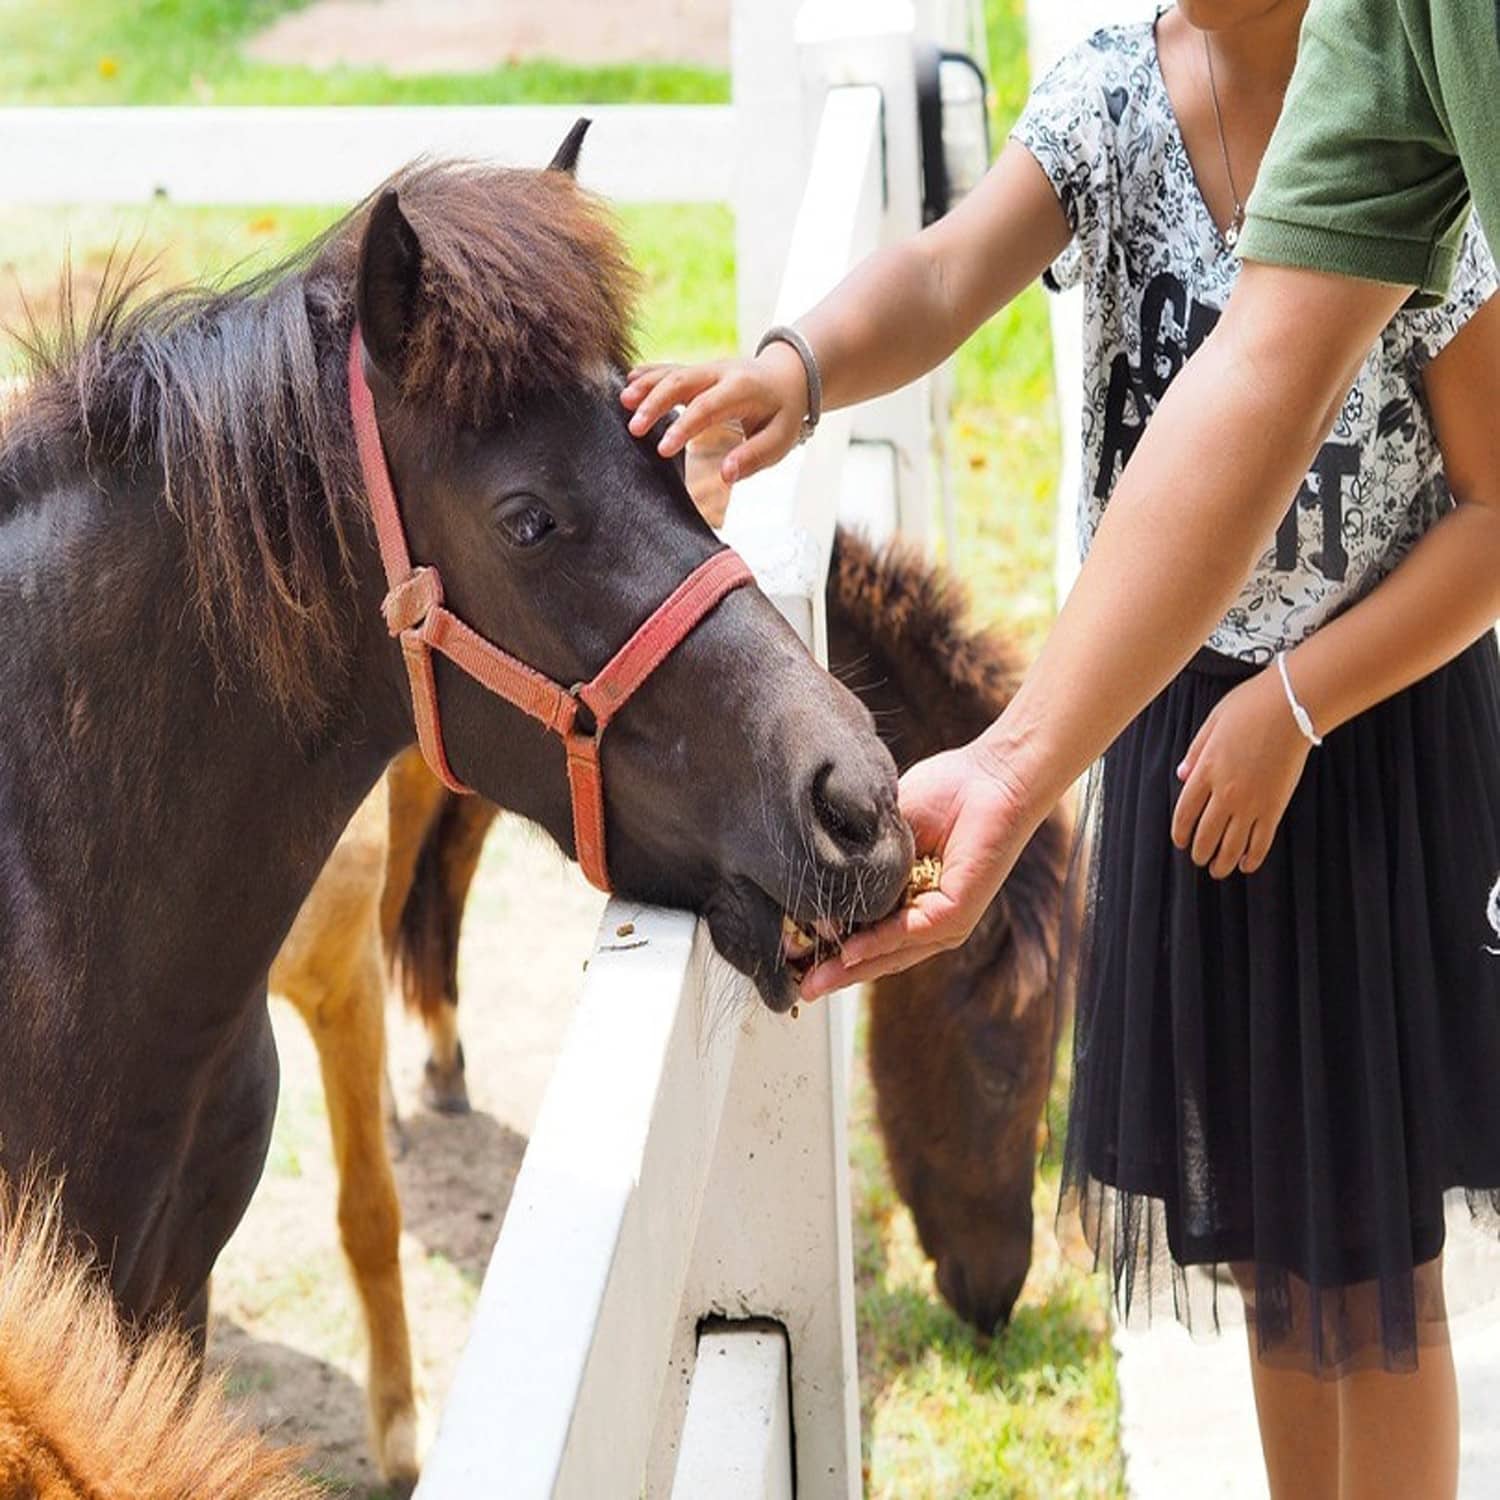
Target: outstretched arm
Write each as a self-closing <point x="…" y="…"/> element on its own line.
<point x="893" y="318"/>
<point x="1212" y="476"/>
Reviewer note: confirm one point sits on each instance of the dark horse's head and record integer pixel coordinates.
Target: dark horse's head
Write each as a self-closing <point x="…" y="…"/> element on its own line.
<point x="741" y="781"/>
<point x="495" y="307"/>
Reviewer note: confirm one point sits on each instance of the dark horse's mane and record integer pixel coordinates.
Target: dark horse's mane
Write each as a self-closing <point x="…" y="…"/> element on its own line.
<point x="231" y="402"/>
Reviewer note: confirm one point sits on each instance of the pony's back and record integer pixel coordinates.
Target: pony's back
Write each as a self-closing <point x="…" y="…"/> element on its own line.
<point x="85" y="1410"/>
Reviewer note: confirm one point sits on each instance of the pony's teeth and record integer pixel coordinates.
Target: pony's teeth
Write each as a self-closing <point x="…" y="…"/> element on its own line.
<point x="795" y="942"/>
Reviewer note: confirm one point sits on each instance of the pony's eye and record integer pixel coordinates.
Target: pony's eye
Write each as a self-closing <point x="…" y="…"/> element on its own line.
<point x="524" y="522"/>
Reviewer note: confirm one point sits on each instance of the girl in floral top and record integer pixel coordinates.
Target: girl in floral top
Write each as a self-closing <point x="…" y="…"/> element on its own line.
<point x="1288" y="1028"/>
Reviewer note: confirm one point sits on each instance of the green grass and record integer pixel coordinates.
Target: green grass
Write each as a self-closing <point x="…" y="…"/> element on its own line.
<point x="947" y="1416"/>
<point x="188" y="52"/>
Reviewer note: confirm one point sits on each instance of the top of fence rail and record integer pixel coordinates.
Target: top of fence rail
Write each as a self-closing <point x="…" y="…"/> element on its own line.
<point x="336" y="154"/>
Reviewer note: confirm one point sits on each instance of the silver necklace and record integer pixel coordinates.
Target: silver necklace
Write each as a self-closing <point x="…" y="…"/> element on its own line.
<point x="1232" y="234"/>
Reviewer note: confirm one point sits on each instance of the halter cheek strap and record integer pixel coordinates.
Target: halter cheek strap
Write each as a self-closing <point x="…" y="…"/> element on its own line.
<point x="416" y="615"/>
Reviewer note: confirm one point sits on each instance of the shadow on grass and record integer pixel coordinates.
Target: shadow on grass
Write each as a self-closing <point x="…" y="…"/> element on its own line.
<point x="454" y="1177"/>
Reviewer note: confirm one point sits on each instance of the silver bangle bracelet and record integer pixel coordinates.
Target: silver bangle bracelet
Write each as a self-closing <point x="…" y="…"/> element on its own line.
<point x="1299" y="714"/>
<point x="784" y="334"/>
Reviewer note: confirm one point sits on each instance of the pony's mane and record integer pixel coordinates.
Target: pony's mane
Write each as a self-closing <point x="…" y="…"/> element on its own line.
<point x="233" y="401"/>
<point x="86" y="1411"/>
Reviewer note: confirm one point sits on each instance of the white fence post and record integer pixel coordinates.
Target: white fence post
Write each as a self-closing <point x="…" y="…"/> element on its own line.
<point x="771" y="144"/>
<point x="774" y="1237"/>
<point x="843" y="42"/>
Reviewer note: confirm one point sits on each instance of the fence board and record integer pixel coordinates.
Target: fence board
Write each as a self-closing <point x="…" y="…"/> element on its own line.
<point x="336" y="154"/>
<point x="737" y="1443"/>
<point x="558" y="1388"/>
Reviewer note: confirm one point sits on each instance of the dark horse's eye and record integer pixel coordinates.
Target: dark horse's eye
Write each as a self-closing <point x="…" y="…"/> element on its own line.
<point x="524" y="521"/>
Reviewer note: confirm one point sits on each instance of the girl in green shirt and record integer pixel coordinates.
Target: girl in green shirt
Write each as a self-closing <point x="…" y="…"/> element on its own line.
<point x="1288" y="1025"/>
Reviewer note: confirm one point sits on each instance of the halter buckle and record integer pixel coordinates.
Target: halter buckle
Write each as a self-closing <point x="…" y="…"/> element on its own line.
<point x="409" y="602"/>
<point x="588" y="727"/>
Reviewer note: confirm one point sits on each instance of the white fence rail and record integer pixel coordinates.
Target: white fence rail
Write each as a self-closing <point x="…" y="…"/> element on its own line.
<point x="337" y="154"/>
<point x="559" y="1385"/>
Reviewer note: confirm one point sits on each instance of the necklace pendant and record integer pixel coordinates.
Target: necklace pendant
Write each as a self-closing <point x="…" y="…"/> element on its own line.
<point x="1232" y="235"/>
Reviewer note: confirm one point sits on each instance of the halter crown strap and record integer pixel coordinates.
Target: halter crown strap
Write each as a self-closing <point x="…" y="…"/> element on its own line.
<point x="416" y="614"/>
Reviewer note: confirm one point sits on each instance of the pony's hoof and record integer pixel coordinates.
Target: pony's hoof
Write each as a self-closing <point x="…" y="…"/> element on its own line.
<point x="444" y="1089"/>
<point x="398" y="1455"/>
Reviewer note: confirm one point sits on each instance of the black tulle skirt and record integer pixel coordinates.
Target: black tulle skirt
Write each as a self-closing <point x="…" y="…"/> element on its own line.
<point x="1282" y="1075"/>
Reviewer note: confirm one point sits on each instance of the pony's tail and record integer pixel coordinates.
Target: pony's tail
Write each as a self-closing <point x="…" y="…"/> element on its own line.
<point x="425" y="945"/>
<point x="86" y="1408"/>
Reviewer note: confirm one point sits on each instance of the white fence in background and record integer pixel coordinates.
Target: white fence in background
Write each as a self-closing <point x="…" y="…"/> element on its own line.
<point x="669" y="1310"/>
<point x="248" y="154"/>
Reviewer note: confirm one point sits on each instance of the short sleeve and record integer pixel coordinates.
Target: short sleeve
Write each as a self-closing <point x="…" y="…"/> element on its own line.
<point x="1067" y="127"/>
<point x="1361" y="178"/>
<point x="1430" y="330"/>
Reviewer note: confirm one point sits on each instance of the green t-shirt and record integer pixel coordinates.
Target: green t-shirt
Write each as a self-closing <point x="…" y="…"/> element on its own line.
<point x="1391" y="125"/>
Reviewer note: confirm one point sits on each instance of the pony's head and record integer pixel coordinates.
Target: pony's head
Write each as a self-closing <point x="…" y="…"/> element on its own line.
<point x="741" y="780"/>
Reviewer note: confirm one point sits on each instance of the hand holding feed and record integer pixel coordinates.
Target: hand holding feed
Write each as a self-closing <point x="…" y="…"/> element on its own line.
<point x="1238" y="777"/>
<point x="965" y="813"/>
<point x="767" y="395"/>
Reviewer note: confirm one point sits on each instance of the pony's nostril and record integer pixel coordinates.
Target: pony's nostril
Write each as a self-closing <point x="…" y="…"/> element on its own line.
<point x="847" y="813"/>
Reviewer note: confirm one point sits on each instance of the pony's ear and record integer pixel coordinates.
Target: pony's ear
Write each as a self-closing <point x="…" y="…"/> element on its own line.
<point x="390" y="267"/>
<point x="566" y="159"/>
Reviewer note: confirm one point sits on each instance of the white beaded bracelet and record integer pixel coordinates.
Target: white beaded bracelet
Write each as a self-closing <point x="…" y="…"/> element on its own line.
<point x="1300" y="714"/>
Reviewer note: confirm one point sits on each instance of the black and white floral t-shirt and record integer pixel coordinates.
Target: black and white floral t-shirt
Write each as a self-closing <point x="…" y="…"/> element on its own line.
<point x="1157" y="274"/>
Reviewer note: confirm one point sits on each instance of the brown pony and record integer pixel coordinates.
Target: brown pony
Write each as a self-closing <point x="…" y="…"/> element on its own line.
<point x="86" y="1411"/>
<point x="197" y="689"/>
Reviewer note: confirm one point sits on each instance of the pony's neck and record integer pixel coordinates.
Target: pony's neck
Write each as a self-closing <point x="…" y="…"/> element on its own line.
<point x="160" y="818"/>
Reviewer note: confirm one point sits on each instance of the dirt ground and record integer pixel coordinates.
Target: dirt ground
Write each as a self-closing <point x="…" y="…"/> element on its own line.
<point x="458" y="36"/>
<point x="286" y="1326"/>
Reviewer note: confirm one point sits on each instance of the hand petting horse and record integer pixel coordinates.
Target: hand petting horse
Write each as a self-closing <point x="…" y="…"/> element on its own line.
<point x="198" y="687"/>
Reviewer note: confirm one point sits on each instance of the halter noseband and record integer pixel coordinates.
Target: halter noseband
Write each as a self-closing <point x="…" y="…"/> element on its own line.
<point x="414" y="612"/>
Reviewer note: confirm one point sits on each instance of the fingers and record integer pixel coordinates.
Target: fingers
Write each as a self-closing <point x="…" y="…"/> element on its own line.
<point x="675" y="386"/>
<point x="1231" y="850"/>
<point x="642" y="381"/>
<point x="1258" y="846"/>
<point x="639" y="381"/>
<point x="836" y="975"/>
<point x="917" y="924"/>
<point x="774" y="441"/>
<point x="1190" y="804"/>
<point x="1189" y="761"/>
<point x="724" y="398"/>
<point x="1210" y="830"/>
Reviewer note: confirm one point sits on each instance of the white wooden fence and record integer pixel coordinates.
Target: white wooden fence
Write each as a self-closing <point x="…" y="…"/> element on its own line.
<point x="690" y="1162"/>
<point x="670" y="1305"/>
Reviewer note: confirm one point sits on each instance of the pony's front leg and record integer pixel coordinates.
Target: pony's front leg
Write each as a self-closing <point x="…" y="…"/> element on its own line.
<point x="350" y="1034"/>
